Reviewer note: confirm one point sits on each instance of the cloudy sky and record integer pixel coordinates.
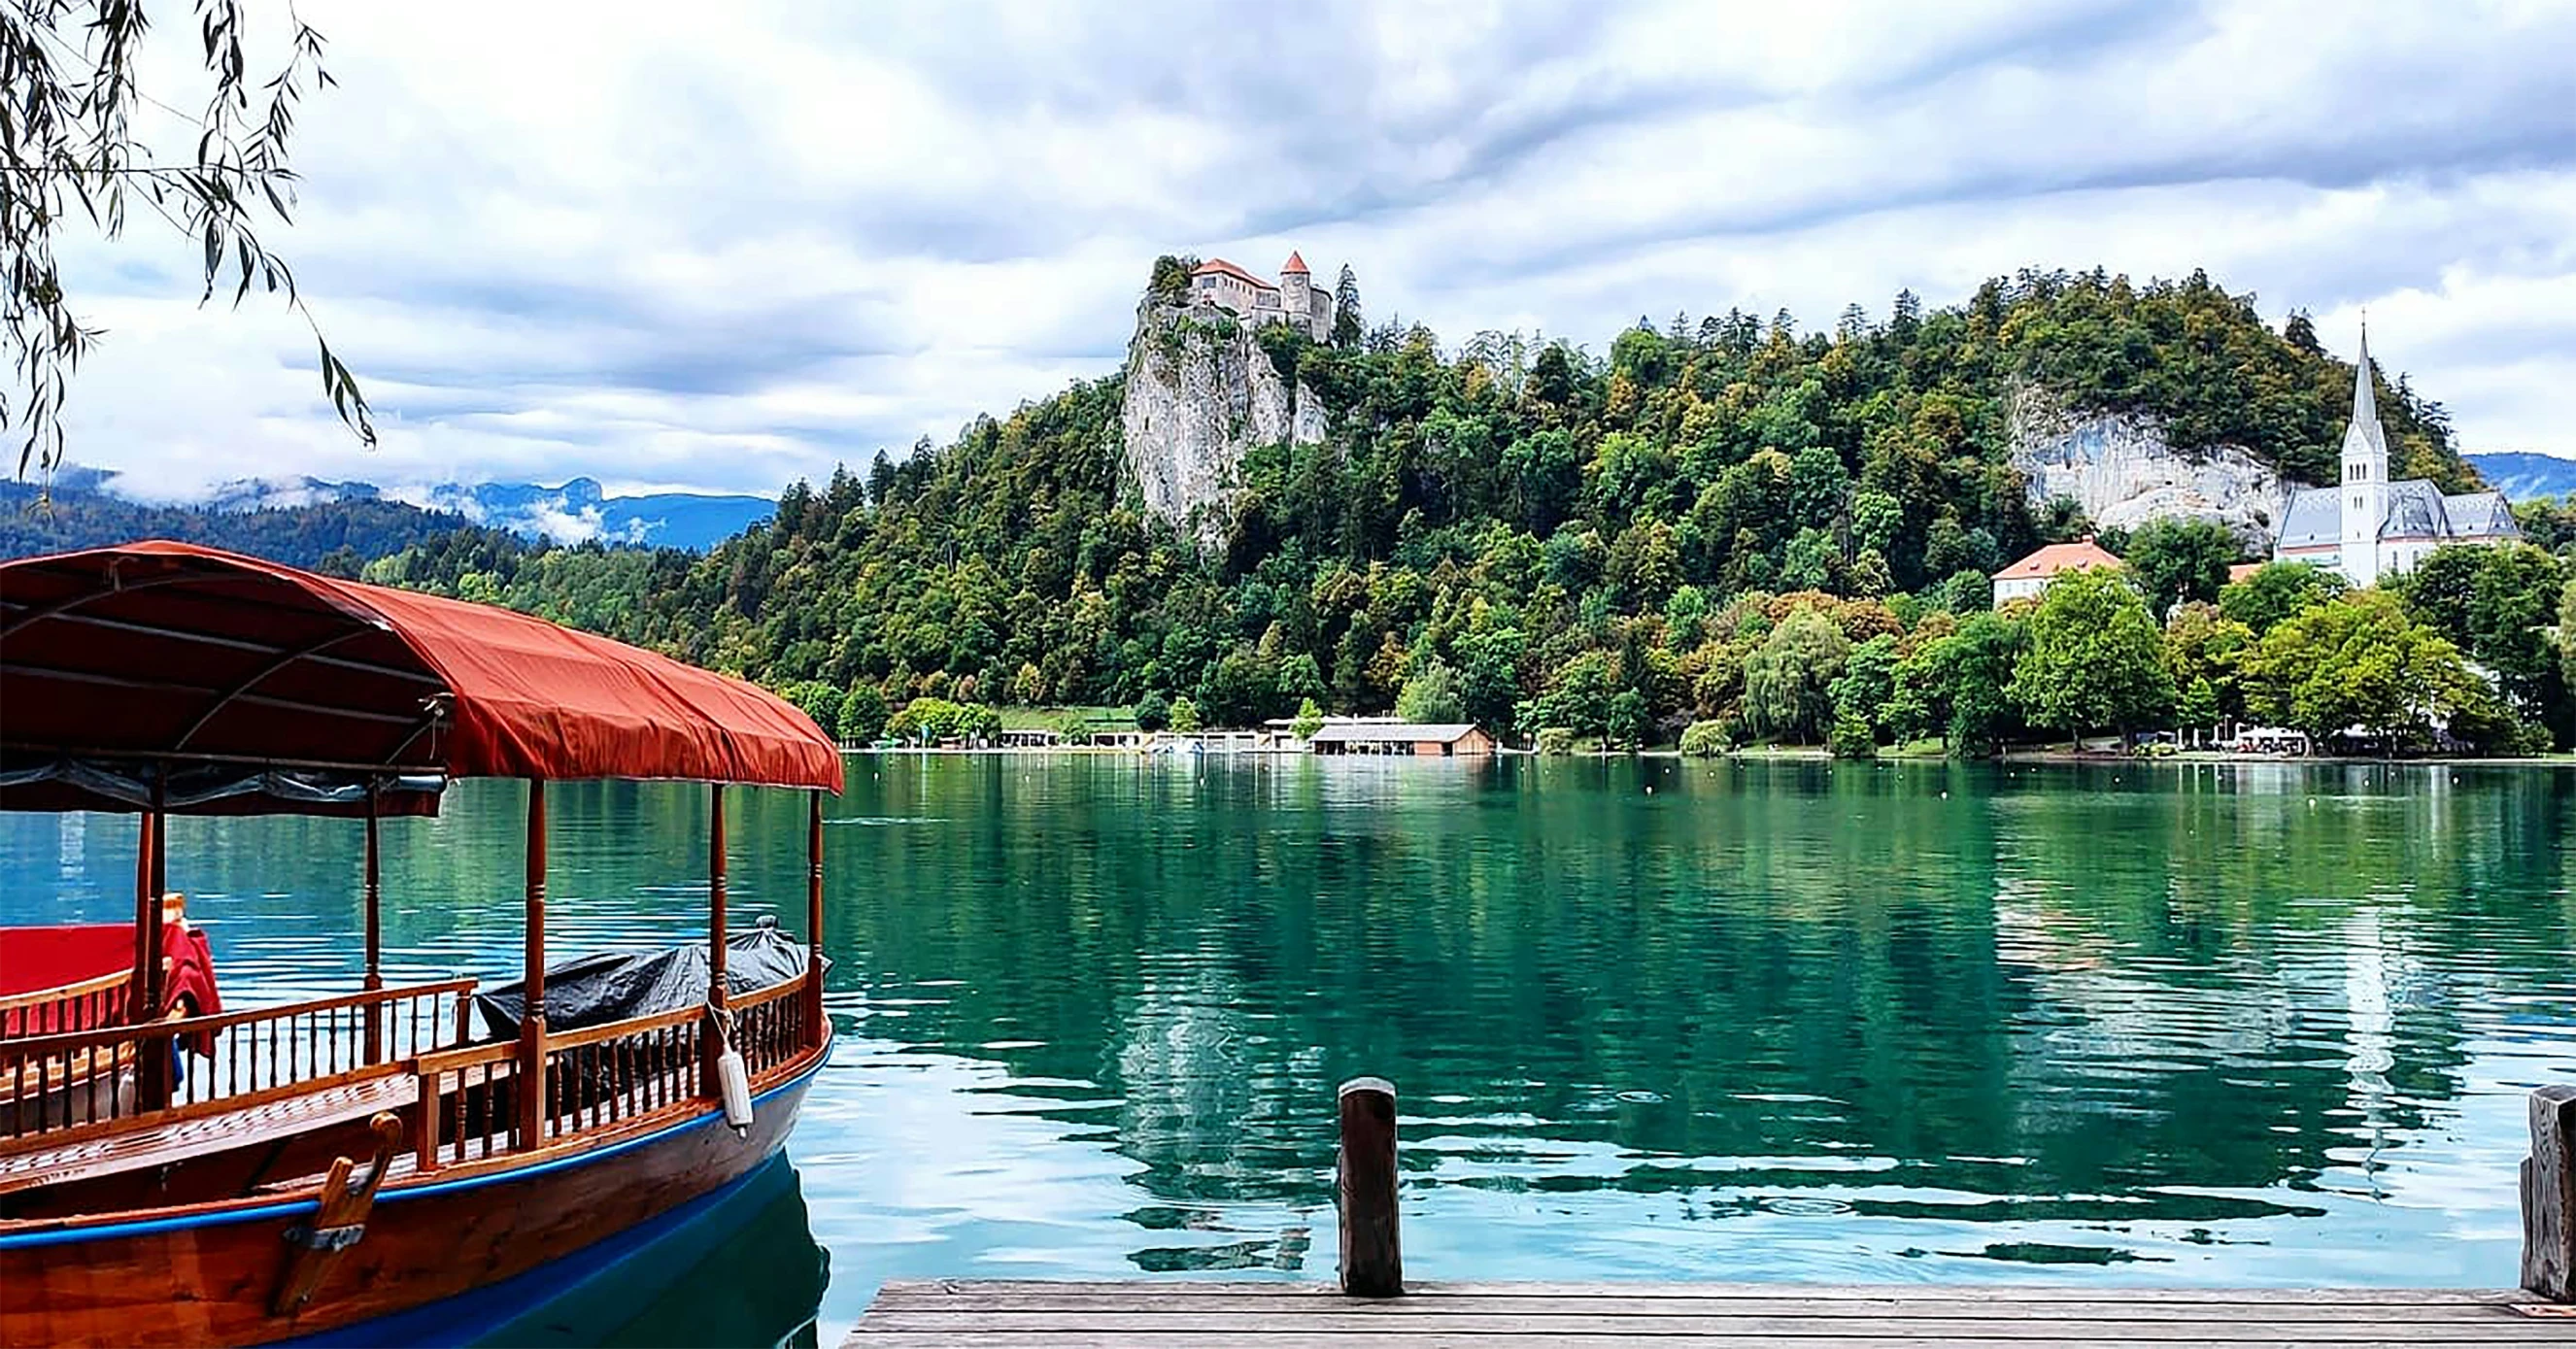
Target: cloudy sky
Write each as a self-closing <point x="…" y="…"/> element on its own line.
<point x="718" y="247"/>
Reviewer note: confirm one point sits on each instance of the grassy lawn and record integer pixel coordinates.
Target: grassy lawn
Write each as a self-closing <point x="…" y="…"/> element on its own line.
<point x="1053" y="718"/>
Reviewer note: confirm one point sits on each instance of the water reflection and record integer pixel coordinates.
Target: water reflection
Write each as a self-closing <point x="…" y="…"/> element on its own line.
<point x="2262" y="1024"/>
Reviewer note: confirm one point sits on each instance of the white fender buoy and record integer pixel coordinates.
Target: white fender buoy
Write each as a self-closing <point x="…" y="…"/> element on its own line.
<point x="735" y="1079"/>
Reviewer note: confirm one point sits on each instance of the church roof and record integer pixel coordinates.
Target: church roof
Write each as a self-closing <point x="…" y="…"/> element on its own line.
<point x="2481" y="514"/>
<point x="2058" y="557"/>
<point x="2416" y="510"/>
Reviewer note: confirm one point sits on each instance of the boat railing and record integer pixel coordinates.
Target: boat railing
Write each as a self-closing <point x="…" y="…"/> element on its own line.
<point x="769" y="1026"/>
<point x="68" y="1007"/>
<point x="602" y="1076"/>
<point x="185" y="1066"/>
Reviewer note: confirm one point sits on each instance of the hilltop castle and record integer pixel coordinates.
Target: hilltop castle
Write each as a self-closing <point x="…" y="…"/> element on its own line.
<point x="2370" y="527"/>
<point x="1296" y="299"/>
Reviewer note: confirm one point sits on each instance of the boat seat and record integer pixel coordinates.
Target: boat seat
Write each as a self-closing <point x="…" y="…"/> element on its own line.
<point x="149" y="1145"/>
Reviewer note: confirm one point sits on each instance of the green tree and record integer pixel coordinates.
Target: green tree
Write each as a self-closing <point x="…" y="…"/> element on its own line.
<point x="815" y="699"/>
<point x="1348" y="321"/>
<point x="2512" y="612"/>
<point x="2179" y="561"/>
<point x="1028" y="687"/>
<point x="1787" y="678"/>
<point x="2095" y="659"/>
<point x="1867" y="685"/>
<point x="1431" y="694"/>
<point x="2443" y="588"/>
<point x="1960" y="684"/>
<point x="1630" y="722"/>
<point x="862" y="714"/>
<point x="1578" y="699"/>
<point x="1185" y="716"/>
<point x="1301" y="677"/>
<point x="1310" y="719"/>
<point x="2278" y="591"/>
<point x="1153" y="712"/>
<point x="2362" y="661"/>
<point x="2202" y="651"/>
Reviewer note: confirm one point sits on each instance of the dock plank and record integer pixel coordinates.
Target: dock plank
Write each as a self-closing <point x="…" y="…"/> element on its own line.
<point x="999" y="1313"/>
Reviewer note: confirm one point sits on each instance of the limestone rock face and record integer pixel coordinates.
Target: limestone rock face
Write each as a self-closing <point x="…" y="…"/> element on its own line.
<point x="1200" y="392"/>
<point x="2124" y="473"/>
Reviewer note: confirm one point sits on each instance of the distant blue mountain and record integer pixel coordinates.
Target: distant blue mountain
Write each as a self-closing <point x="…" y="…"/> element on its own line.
<point x="577" y="511"/>
<point x="2524" y="476"/>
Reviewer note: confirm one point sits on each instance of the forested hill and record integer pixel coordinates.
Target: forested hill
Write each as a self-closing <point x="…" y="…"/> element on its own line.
<point x="1523" y="519"/>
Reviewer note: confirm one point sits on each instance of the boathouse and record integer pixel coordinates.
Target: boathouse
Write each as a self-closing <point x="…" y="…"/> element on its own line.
<point x="1444" y="740"/>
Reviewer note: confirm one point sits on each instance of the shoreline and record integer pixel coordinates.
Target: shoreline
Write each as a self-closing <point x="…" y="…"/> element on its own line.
<point x="1794" y="754"/>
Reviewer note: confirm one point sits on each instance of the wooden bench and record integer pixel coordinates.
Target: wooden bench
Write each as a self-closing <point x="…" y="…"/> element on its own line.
<point x="147" y="1144"/>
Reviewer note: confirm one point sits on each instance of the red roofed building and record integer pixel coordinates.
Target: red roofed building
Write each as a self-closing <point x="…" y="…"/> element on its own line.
<point x="1295" y="299"/>
<point x="2025" y="579"/>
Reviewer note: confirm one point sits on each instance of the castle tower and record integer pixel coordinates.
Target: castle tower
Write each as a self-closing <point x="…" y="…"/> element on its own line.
<point x="2365" y="476"/>
<point x="1297" y="292"/>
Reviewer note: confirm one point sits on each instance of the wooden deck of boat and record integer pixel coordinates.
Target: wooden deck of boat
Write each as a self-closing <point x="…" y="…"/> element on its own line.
<point x="993" y="1314"/>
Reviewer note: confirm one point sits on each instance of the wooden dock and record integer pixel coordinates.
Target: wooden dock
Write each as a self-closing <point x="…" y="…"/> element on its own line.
<point x="992" y="1314"/>
<point x="1375" y="1305"/>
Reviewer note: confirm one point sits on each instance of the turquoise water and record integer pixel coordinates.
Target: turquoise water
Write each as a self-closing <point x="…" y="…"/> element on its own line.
<point x="2169" y="1025"/>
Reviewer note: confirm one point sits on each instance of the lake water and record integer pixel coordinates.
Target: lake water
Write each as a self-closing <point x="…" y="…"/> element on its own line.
<point x="1789" y="1020"/>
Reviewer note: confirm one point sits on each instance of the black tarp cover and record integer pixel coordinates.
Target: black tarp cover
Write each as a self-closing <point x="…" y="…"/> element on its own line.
<point x="596" y="990"/>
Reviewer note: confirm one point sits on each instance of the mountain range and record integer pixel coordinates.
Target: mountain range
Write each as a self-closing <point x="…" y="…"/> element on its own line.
<point x="577" y="510"/>
<point x="2522" y="477"/>
<point x="301" y="520"/>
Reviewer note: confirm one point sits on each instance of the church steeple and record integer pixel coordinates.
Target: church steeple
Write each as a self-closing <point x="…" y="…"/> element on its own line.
<point x="2365" y="400"/>
<point x="2363" y="496"/>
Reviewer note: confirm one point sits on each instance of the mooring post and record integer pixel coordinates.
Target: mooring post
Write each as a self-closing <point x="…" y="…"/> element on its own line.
<point x="2549" y="1196"/>
<point x="1372" y="1256"/>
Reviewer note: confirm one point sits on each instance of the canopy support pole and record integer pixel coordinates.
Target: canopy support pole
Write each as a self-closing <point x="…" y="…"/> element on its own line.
<point x="531" y="1067"/>
<point x="719" y="1033"/>
<point x="375" y="935"/>
<point x="144" y="895"/>
<point x="815" y="1030"/>
<point x="716" y="896"/>
<point x="152" y="1070"/>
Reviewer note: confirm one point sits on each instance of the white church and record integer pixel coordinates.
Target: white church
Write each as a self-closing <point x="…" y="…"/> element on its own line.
<point x="2369" y="527"/>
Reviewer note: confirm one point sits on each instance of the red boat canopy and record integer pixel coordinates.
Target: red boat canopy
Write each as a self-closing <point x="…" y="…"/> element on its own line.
<point x="174" y="653"/>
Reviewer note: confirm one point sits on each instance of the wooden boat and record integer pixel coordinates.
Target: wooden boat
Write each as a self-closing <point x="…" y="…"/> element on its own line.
<point x="68" y="977"/>
<point x="330" y="1162"/>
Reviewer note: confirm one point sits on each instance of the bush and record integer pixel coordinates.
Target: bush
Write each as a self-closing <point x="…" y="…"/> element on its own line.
<point x="1310" y="719"/>
<point x="1556" y="741"/>
<point x="1851" y="739"/>
<point x="1153" y="712"/>
<point x="1706" y="739"/>
<point x="1185" y="716"/>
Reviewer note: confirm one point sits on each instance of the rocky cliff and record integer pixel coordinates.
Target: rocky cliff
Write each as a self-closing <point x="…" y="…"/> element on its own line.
<point x="1200" y="391"/>
<point x="2124" y="472"/>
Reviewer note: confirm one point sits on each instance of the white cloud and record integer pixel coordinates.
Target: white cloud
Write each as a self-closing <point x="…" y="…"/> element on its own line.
<point x="665" y="245"/>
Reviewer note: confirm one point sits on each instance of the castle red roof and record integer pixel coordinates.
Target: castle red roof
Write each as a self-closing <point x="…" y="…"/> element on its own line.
<point x="1294" y="264"/>
<point x="1221" y="265"/>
